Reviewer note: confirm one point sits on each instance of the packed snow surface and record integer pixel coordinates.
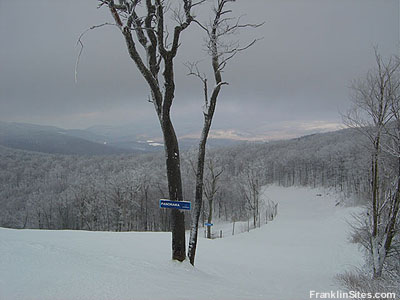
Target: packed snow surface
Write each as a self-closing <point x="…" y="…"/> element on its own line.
<point x="301" y="250"/>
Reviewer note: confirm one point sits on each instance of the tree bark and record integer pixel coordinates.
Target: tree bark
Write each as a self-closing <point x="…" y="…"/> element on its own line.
<point x="199" y="189"/>
<point x="171" y="148"/>
<point x="208" y="116"/>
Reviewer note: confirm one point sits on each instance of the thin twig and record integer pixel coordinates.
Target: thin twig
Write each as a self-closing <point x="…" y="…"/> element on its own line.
<point x="79" y="43"/>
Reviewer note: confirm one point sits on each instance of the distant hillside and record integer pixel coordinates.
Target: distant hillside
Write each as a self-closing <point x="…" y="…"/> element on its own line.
<point x="96" y="140"/>
<point x="188" y="143"/>
<point x="35" y="185"/>
<point x="105" y="140"/>
<point x="144" y="138"/>
<point x="49" y="139"/>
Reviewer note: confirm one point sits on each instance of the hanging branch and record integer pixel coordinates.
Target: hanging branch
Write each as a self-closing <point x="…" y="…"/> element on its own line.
<point x="80" y="43"/>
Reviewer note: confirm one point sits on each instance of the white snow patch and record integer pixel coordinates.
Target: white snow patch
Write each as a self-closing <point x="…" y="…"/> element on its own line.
<point x="156" y="144"/>
<point x="301" y="250"/>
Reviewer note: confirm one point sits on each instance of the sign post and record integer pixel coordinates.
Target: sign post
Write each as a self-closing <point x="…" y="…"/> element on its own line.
<point x="165" y="203"/>
<point x="208" y="231"/>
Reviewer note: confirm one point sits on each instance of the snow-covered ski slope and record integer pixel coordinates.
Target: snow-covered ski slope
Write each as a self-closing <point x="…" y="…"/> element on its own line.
<point x="301" y="250"/>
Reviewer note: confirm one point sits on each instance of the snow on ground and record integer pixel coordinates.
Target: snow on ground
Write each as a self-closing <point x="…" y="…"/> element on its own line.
<point x="301" y="250"/>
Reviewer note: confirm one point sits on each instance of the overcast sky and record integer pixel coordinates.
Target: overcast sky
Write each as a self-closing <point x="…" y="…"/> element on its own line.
<point x="292" y="82"/>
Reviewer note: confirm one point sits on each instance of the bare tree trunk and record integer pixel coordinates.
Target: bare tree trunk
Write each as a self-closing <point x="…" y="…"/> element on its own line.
<point x="375" y="188"/>
<point x="390" y="230"/>
<point x="145" y="207"/>
<point x="199" y="184"/>
<point x="174" y="189"/>
<point x="210" y="215"/>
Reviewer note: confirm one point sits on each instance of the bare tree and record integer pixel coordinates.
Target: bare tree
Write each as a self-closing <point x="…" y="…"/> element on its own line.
<point x="148" y="30"/>
<point x="251" y="186"/>
<point x="390" y="209"/>
<point x="220" y="51"/>
<point x="210" y="190"/>
<point x="375" y="105"/>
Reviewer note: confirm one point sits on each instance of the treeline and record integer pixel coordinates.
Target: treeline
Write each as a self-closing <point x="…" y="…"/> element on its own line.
<point x="121" y="192"/>
<point x="338" y="160"/>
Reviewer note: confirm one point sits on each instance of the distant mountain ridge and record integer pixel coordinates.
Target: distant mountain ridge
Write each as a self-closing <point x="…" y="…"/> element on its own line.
<point x="95" y="140"/>
<point x="51" y="139"/>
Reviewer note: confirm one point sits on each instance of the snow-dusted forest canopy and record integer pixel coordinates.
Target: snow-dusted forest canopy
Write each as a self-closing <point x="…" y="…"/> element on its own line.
<point x="121" y="192"/>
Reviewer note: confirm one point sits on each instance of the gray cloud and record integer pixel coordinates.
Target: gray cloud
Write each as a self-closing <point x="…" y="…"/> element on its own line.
<point x="297" y="74"/>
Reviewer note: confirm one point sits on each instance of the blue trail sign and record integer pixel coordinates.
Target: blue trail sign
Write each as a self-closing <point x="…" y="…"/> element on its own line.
<point x="208" y="224"/>
<point x="164" y="203"/>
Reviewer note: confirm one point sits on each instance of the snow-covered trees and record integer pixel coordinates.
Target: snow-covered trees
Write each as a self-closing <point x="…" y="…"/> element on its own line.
<point x="375" y="112"/>
<point x="211" y="188"/>
<point x="250" y="186"/>
<point x="33" y="185"/>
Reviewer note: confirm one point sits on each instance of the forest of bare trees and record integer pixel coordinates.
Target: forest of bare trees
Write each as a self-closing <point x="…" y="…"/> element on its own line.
<point x="121" y="192"/>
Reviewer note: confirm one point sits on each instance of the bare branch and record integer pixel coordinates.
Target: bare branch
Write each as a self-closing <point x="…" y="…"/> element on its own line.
<point x="198" y="3"/>
<point x="80" y="43"/>
<point x="234" y="52"/>
<point x="202" y="26"/>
